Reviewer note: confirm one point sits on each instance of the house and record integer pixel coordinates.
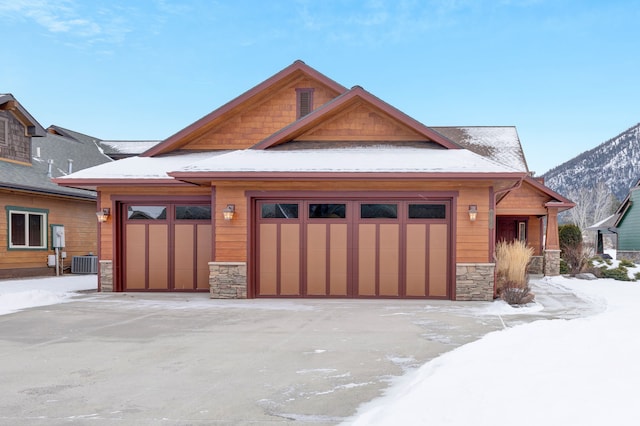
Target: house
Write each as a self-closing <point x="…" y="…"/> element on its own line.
<point x="114" y="149"/>
<point x="301" y="187"/>
<point x="627" y="226"/>
<point x="32" y="205"/>
<point x="605" y="233"/>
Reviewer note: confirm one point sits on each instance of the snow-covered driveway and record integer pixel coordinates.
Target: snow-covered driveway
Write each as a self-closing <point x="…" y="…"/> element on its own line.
<point x="184" y="358"/>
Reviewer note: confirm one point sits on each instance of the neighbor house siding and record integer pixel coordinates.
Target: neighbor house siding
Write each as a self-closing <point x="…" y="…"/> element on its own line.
<point x="78" y="218"/>
<point x="629" y="227"/>
<point x="17" y="146"/>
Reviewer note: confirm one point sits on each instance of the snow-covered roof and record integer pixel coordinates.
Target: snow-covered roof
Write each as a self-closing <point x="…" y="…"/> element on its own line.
<point x="140" y="167"/>
<point x="376" y="159"/>
<point x="500" y="143"/>
<point x="607" y="222"/>
<point x="129" y="147"/>
<point x="382" y="159"/>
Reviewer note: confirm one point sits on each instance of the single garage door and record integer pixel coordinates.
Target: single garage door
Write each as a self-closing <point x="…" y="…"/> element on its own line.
<point x="353" y="248"/>
<point x="167" y="246"/>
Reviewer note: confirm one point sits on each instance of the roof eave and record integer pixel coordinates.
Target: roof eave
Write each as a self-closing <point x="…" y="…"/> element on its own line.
<point x="93" y="183"/>
<point x="33" y="190"/>
<point x="202" y="177"/>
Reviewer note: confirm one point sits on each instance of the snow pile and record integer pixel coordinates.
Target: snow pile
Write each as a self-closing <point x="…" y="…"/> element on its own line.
<point x="16" y="295"/>
<point x="583" y="371"/>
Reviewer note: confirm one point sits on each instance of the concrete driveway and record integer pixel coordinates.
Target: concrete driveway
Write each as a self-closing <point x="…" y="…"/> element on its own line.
<point x="183" y="359"/>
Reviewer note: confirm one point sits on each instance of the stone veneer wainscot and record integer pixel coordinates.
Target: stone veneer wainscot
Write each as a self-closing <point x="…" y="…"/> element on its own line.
<point x="228" y="280"/>
<point x="474" y="281"/>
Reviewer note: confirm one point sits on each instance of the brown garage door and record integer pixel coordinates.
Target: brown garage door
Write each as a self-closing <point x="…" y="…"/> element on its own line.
<point x="354" y="248"/>
<point x="167" y="246"/>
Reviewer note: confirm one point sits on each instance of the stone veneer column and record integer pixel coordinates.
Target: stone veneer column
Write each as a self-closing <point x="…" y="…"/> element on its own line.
<point x="551" y="262"/>
<point x="474" y="281"/>
<point x="228" y="280"/>
<point x="536" y="265"/>
<point x="106" y="276"/>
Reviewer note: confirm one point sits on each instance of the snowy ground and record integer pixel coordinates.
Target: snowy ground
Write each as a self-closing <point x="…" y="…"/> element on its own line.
<point x="16" y="295"/>
<point x="581" y="371"/>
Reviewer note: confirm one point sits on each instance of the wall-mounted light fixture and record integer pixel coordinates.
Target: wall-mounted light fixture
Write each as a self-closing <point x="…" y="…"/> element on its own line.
<point x="103" y="214"/>
<point x="228" y="211"/>
<point x="473" y="212"/>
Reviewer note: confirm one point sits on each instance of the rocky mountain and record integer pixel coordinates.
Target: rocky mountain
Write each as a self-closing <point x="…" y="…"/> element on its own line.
<point x="616" y="163"/>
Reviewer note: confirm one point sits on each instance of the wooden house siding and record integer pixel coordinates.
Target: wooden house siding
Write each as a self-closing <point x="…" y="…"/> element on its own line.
<point x="472" y="238"/>
<point x="362" y="123"/>
<point x="78" y="218"/>
<point x="523" y="201"/>
<point x="629" y="226"/>
<point x="245" y="129"/>
<point x="110" y="195"/>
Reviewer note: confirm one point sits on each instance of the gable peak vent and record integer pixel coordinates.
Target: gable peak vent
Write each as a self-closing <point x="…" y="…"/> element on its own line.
<point x="304" y="102"/>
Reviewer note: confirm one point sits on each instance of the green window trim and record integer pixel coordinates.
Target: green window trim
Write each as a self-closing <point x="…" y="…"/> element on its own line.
<point x="28" y="213"/>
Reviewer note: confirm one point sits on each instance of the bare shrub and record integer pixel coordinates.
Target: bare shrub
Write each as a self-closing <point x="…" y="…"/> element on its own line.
<point x="512" y="259"/>
<point x="515" y="294"/>
<point x="575" y="257"/>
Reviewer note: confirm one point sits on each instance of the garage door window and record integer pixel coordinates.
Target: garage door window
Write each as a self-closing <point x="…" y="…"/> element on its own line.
<point x="279" y="211"/>
<point x="193" y="212"/>
<point x="327" y="211"/>
<point x="147" y="212"/>
<point x="427" y="211"/>
<point x="378" y="211"/>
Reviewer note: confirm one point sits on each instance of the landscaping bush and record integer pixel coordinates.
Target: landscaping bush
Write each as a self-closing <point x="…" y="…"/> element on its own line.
<point x="569" y="235"/>
<point x="571" y="248"/>
<point x="627" y="263"/>
<point x="512" y="259"/>
<point x="620" y="273"/>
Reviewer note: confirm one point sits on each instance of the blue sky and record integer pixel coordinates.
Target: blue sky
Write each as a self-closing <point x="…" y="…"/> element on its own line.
<point x="565" y="72"/>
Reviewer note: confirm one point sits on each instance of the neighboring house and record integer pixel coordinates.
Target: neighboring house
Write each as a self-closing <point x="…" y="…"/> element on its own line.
<point x="627" y="226"/>
<point x="605" y="233"/>
<point x="301" y="187"/>
<point x="116" y="149"/>
<point x="31" y="203"/>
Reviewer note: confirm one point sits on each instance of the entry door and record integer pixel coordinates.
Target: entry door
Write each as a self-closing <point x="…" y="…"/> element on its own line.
<point x="167" y="247"/>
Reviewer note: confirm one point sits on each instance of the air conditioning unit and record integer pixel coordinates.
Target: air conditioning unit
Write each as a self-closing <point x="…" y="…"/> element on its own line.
<point x="84" y="265"/>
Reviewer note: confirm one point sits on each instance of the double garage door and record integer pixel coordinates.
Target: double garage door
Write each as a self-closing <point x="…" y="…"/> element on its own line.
<point x="354" y="248"/>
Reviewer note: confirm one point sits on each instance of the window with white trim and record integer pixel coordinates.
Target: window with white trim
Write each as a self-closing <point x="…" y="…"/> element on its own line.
<point x="27" y="228"/>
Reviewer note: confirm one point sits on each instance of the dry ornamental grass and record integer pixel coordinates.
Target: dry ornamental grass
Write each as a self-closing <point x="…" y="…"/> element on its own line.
<point x="512" y="259"/>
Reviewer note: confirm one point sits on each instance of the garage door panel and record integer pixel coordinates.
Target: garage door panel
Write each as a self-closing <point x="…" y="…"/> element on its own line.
<point x="158" y="257"/>
<point x="438" y="254"/>
<point x="184" y="241"/>
<point x="316" y="259"/>
<point x="136" y="257"/>
<point x="203" y="246"/>
<point x="389" y="264"/>
<point x="338" y="259"/>
<point x="367" y="260"/>
<point x="268" y="258"/>
<point x="416" y="260"/>
<point x="290" y="259"/>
